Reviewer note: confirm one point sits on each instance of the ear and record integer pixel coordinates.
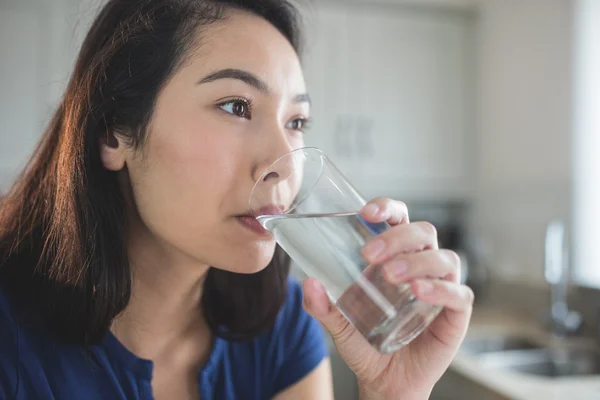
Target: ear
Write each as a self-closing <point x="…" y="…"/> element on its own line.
<point x="112" y="152"/>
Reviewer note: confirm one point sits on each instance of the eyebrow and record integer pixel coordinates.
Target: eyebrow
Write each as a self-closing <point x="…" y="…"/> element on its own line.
<point x="249" y="79"/>
<point x="302" y="98"/>
<point x="240" y="75"/>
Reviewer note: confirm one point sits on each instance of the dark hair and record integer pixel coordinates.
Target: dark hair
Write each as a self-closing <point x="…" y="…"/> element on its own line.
<point x="62" y="224"/>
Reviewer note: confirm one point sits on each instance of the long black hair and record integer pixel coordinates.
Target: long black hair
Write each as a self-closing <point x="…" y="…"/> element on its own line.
<point x="62" y="224"/>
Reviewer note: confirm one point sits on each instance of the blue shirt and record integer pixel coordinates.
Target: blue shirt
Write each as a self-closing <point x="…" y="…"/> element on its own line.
<point x="34" y="367"/>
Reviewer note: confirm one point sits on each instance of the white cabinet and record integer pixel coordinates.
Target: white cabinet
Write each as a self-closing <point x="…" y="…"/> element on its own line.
<point x="327" y="73"/>
<point x="392" y="89"/>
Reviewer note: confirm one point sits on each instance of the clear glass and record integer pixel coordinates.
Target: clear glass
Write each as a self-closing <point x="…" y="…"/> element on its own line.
<point x="312" y="211"/>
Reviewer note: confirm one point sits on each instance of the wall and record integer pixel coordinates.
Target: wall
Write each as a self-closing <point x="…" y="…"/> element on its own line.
<point x="524" y="130"/>
<point x="39" y="41"/>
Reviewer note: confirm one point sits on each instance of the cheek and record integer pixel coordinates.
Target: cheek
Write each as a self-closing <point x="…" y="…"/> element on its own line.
<point x="195" y="157"/>
<point x="187" y="147"/>
<point x="186" y="197"/>
<point x="180" y="188"/>
<point x="296" y="140"/>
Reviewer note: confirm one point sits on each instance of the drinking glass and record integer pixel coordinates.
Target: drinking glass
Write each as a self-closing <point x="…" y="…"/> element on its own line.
<point x="312" y="211"/>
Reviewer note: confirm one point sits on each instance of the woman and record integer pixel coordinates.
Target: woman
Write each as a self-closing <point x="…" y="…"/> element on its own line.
<point x="126" y="269"/>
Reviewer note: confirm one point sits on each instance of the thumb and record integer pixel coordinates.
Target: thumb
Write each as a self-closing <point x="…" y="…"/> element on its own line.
<point x="318" y="305"/>
<point x="354" y="349"/>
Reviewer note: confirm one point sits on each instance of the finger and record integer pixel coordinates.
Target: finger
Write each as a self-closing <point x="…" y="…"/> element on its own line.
<point x="443" y="264"/>
<point x="383" y="209"/>
<point x="451" y="296"/>
<point x="317" y="304"/>
<point x="450" y="327"/>
<point x="403" y="238"/>
<point x="353" y="348"/>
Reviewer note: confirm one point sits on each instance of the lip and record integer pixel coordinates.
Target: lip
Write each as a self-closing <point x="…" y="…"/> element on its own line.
<point x="249" y="220"/>
<point x="270" y="209"/>
<point x="253" y="225"/>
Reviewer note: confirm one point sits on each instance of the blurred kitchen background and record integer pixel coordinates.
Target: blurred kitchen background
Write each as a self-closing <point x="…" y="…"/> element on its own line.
<point x="482" y="115"/>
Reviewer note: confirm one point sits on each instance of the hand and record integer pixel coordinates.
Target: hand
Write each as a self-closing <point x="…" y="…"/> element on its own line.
<point x="412" y="371"/>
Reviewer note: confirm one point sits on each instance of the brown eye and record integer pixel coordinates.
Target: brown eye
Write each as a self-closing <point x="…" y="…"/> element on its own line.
<point x="298" y="124"/>
<point x="239" y="108"/>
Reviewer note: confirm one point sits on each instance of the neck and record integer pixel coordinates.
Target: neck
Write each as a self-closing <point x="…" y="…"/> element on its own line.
<point x="164" y="308"/>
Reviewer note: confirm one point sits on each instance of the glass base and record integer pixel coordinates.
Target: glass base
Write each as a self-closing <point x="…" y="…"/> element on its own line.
<point x="409" y="324"/>
<point x="390" y="320"/>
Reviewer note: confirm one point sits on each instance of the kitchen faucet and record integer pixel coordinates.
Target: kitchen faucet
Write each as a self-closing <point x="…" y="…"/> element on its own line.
<point x="556" y="271"/>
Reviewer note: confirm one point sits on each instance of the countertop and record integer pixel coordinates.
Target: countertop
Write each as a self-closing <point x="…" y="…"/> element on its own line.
<point x="512" y="385"/>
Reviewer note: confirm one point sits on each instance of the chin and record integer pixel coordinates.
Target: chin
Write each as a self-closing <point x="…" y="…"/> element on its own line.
<point x="248" y="262"/>
<point x="247" y="267"/>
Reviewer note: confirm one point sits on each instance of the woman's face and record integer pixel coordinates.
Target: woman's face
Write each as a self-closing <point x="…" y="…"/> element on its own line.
<point x="223" y="118"/>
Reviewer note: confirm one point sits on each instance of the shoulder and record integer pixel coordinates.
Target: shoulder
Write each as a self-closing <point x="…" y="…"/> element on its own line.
<point x="34" y="365"/>
<point x="296" y="342"/>
<point x="8" y="348"/>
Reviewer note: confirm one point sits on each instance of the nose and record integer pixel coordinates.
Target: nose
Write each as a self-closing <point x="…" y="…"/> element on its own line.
<point x="277" y="145"/>
<point x="277" y="184"/>
<point x="271" y="175"/>
<point x="282" y="172"/>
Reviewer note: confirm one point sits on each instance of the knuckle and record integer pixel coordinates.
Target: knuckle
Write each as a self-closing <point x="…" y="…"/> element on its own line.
<point x="341" y="329"/>
<point x="445" y="288"/>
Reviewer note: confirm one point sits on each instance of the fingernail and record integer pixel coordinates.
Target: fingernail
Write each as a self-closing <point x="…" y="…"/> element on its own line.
<point x="374" y="248"/>
<point x="319" y="288"/>
<point x="372" y="209"/>
<point x="397" y="268"/>
<point x="425" y="287"/>
<point x="316" y="289"/>
<point x="321" y="306"/>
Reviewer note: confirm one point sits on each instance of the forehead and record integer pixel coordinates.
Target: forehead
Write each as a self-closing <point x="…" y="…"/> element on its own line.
<point x="248" y="42"/>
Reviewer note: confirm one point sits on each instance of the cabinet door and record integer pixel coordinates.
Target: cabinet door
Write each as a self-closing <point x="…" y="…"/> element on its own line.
<point x="391" y="94"/>
<point x="412" y="80"/>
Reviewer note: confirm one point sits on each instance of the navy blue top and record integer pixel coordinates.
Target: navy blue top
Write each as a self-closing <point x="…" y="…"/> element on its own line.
<point x="34" y="367"/>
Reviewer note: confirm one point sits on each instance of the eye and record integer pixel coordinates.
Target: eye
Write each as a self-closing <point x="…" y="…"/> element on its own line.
<point x="299" y="124"/>
<point x="238" y="107"/>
